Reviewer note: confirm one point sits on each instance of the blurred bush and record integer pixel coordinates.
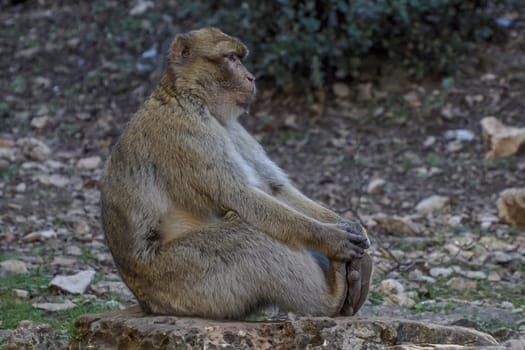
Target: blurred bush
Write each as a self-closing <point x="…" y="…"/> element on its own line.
<point x="314" y="41"/>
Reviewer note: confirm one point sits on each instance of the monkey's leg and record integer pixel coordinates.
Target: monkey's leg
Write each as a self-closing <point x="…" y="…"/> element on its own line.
<point x="229" y="269"/>
<point x="358" y="274"/>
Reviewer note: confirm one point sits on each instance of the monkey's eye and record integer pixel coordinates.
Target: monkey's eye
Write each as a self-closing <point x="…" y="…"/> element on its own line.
<point x="232" y="57"/>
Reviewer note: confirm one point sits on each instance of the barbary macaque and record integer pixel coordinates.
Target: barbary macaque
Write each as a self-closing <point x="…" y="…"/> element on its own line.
<point x="201" y="222"/>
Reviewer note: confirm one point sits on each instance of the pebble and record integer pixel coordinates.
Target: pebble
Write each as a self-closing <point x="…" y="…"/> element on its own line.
<point x="12" y="267"/>
<point x="34" y="149"/>
<point x="341" y="90"/>
<point x="431" y="204"/>
<point x="394" y="293"/>
<point x="398" y="225"/>
<point x="21" y="187"/>
<point x="475" y="275"/>
<point x="39" y="236"/>
<point x="462" y="135"/>
<point x="89" y="163"/>
<point x="39" y="122"/>
<point x="375" y="186"/>
<point x="460" y="284"/>
<point x="21" y="293"/>
<point x="441" y="271"/>
<point x="75" y="284"/>
<point x="54" y="180"/>
<point x="66" y="305"/>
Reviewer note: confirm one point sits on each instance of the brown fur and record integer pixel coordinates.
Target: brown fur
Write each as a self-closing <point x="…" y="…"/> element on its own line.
<point x="199" y="220"/>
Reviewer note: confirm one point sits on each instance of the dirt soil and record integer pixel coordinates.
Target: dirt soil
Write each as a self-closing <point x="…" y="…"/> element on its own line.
<point x="73" y="73"/>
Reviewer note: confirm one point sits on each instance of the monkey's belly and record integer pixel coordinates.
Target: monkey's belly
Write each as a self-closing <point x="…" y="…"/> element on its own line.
<point x="178" y="223"/>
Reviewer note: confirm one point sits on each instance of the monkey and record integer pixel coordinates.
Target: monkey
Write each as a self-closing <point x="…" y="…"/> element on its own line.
<point x="200" y="222"/>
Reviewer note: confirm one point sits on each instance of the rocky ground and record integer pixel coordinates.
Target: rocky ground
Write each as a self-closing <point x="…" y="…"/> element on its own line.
<point x="385" y="151"/>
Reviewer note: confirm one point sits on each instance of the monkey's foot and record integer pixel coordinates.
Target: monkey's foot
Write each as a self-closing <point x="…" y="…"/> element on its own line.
<point x="358" y="276"/>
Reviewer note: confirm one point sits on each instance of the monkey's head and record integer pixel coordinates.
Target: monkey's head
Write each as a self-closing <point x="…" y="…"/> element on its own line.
<point x="208" y="63"/>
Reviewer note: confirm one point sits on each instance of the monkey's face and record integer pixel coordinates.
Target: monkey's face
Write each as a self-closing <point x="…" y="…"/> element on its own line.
<point x="211" y="63"/>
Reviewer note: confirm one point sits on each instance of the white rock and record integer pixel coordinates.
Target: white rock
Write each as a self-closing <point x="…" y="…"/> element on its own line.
<point x="375" y="186"/>
<point x="39" y="122"/>
<point x="454" y="146"/>
<point x="460" y="135"/>
<point x="429" y="141"/>
<point x="12" y="267"/>
<point x="21" y="187"/>
<point x="55" y="180"/>
<point x="89" y="162"/>
<point x="55" y="306"/>
<point x="394" y="293"/>
<point x="141" y="7"/>
<point x="474" y="275"/>
<point x="75" y="284"/>
<point x="441" y="271"/>
<point x="21" y="293"/>
<point x="39" y="236"/>
<point x="431" y="204"/>
<point x="341" y="90"/>
<point x="501" y="257"/>
<point x="455" y="220"/>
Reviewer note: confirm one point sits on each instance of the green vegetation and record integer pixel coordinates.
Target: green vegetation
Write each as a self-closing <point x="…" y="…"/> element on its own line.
<point x="326" y="40"/>
<point x="13" y="310"/>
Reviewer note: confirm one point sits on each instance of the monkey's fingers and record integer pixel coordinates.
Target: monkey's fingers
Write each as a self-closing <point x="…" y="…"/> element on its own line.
<point x="356" y="233"/>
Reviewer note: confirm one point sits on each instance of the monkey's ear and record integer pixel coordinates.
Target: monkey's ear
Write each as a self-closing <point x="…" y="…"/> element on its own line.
<point x="180" y="48"/>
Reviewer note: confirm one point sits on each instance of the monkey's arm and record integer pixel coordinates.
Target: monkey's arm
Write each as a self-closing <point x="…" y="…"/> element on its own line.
<point x="275" y="177"/>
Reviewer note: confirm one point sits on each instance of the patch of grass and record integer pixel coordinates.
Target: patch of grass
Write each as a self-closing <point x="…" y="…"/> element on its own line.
<point x="491" y="324"/>
<point x="424" y="306"/>
<point x="375" y="297"/>
<point x="86" y="256"/>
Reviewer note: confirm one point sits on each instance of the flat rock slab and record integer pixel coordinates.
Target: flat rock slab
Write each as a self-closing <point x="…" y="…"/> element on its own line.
<point x="133" y="329"/>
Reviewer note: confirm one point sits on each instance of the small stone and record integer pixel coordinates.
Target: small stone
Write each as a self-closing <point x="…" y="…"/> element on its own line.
<point x="429" y="141"/>
<point x="458" y="283"/>
<point x="39" y="122"/>
<point x="67" y="305"/>
<point x="375" y="186"/>
<point x="494" y="277"/>
<point x="398" y="225"/>
<point x="364" y="92"/>
<point x="39" y="236"/>
<point x="34" y="149"/>
<point x="54" y="180"/>
<point x="394" y="293"/>
<point x="474" y="275"/>
<point x="21" y="293"/>
<point x="105" y="287"/>
<point x="511" y="206"/>
<point x="12" y="267"/>
<point x="21" y="187"/>
<point x="62" y="261"/>
<point x="455" y="220"/>
<point x="431" y="204"/>
<point x="441" y="271"/>
<point x="454" y="146"/>
<point x="73" y="250"/>
<point x="141" y="8"/>
<point x="413" y="100"/>
<point x="82" y="228"/>
<point x="75" y="284"/>
<point x="501" y="257"/>
<point x="89" y="162"/>
<point x="502" y="140"/>
<point x="341" y="90"/>
<point x="486" y="220"/>
<point x="462" y="135"/>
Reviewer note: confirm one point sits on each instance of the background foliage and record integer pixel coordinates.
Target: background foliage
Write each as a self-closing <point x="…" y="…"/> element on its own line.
<point x="321" y="40"/>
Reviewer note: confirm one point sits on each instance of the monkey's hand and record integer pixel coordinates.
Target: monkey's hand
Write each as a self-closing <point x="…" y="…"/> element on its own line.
<point x="356" y="233"/>
<point x="339" y="244"/>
